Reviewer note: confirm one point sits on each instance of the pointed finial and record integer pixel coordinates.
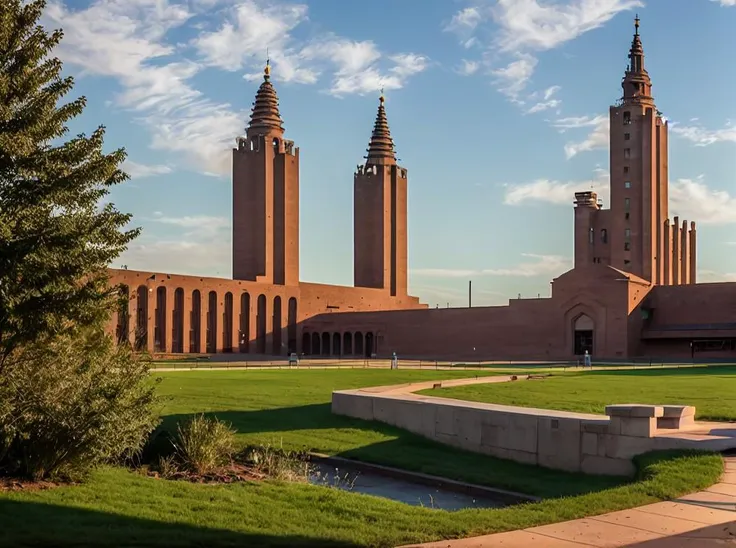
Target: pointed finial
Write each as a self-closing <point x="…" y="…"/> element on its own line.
<point x="267" y="69"/>
<point x="382" y="98"/>
<point x="636" y="24"/>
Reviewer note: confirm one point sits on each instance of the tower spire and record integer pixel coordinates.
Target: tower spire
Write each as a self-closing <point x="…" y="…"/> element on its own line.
<point x="381" y="146"/>
<point x="265" y="116"/>
<point x="636" y="84"/>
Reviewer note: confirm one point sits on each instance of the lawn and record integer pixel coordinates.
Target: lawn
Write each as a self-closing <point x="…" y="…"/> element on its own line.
<point x="118" y="507"/>
<point x="710" y="390"/>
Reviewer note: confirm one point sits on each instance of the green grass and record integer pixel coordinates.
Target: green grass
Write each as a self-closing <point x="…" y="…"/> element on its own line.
<point x="121" y="508"/>
<point x="710" y="390"/>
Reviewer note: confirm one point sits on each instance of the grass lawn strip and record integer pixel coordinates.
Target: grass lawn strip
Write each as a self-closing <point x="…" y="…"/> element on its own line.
<point x="117" y="507"/>
<point x="710" y="390"/>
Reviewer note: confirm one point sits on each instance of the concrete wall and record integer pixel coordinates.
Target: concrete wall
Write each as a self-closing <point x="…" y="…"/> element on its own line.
<point x="574" y="442"/>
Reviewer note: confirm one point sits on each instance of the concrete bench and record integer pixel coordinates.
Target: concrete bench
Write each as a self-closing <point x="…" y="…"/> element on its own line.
<point x="632" y="419"/>
<point x="676" y="417"/>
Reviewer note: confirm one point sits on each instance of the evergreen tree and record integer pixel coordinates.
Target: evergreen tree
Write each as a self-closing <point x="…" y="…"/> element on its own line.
<point x="56" y="239"/>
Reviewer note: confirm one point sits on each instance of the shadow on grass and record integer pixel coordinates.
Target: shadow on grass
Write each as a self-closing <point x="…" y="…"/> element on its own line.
<point x="402" y="449"/>
<point x="38" y="524"/>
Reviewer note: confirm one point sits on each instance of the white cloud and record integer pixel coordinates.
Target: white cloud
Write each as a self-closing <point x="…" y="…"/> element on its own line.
<point x="693" y="200"/>
<point x="598" y="137"/>
<point x="467" y="68"/>
<point x="512" y="79"/>
<point x="203" y="247"/>
<point x="540" y="26"/>
<point x="140" y="171"/>
<point x="538" y="265"/>
<point x="704" y="137"/>
<point x="128" y="40"/>
<point x="556" y="192"/>
<point x="711" y="276"/>
<point x="726" y="2"/>
<point x="547" y="101"/>
<point x="690" y="199"/>
<point x="526" y="27"/>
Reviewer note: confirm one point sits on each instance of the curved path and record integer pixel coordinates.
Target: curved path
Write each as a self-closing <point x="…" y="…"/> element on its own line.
<point x="706" y="519"/>
<point x="702" y="520"/>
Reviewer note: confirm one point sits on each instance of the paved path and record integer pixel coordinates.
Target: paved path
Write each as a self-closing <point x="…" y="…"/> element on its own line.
<point x="702" y="520"/>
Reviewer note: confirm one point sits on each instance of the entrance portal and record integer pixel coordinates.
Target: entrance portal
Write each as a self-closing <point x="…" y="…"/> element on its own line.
<point x="583" y="335"/>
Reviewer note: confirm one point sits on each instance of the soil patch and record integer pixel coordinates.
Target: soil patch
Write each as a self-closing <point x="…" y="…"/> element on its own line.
<point x="21" y="484"/>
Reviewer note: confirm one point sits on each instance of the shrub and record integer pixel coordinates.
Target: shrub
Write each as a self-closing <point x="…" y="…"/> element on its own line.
<point x="71" y="403"/>
<point x="203" y="444"/>
<point x="277" y="463"/>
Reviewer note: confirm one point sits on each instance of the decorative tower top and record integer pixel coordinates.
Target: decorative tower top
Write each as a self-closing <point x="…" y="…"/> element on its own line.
<point x="636" y="84"/>
<point x="381" y="147"/>
<point x="265" y="116"/>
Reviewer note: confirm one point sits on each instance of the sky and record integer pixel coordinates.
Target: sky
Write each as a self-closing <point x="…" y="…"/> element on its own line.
<point x="498" y="109"/>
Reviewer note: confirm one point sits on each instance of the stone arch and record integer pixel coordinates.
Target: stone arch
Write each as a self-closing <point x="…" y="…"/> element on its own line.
<point x="315" y="347"/>
<point x="583" y="329"/>
<point x="589" y="307"/>
<point x="122" y="330"/>
<point x="337" y="344"/>
<point x="211" y="341"/>
<point x="306" y="343"/>
<point x="141" y="318"/>
<point x="177" y="318"/>
<point x="276" y="339"/>
<point x="292" y="323"/>
<point x="195" y="323"/>
<point x="358" y="344"/>
<point x="159" y="320"/>
<point x="347" y="344"/>
<point x="227" y="323"/>
<point x="244" y="330"/>
<point x="326" y="339"/>
<point x="261" y="324"/>
<point x="369" y="343"/>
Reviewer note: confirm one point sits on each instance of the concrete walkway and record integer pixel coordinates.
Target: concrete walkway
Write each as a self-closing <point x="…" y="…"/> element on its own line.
<point x="702" y="520"/>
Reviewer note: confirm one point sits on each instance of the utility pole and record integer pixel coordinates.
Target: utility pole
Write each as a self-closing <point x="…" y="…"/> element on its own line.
<point x="470" y="293"/>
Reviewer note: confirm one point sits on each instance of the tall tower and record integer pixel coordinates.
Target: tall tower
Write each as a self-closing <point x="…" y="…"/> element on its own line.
<point x="266" y="196"/>
<point x="635" y="234"/>
<point x="380" y="231"/>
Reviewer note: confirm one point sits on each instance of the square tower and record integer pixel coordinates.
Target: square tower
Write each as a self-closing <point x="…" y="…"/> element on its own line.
<point x="380" y="215"/>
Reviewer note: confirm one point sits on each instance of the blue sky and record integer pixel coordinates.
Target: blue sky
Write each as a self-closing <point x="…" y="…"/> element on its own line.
<point x="498" y="110"/>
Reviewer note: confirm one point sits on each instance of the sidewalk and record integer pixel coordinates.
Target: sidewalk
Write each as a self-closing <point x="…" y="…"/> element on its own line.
<point x="702" y="520"/>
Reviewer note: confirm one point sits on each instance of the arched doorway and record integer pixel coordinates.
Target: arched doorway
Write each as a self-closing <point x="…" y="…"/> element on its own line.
<point x="177" y="332"/>
<point x="358" y="344"/>
<point x="227" y="324"/>
<point x="583" y="331"/>
<point x="369" y="342"/>
<point x="244" y="338"/>
<point x="326" y="344"/>
<point x="306" y="343"/>
<point x="315" y="344"/>
<point x="336" y="345"/>
<point x="195" y="323"/>
<point x="276" y="349"/>
<point x="347" y="344"/>
<point x="141" y="318"/>
<point x="292" y="326"/>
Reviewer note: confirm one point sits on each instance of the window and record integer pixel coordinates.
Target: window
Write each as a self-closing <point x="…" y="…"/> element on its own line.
<point x="627" y="136"/>
<point x="627" y="118"/>
<point x="627" y="153"/>
<point x="627" y="246"/>
<point x="627" y="234"/>
<point x="626" y="261"/>
<point x="627" y="184"/>
<point x="604" y="236"/>
<point x="626" y="169"/>
<point x="591" y="236"/>
<point x="627" y="204"/>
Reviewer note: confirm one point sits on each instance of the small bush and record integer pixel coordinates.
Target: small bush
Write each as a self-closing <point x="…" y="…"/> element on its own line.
<point x="73" y="402"/>
<point x="277" y="463"/>
<point x="203" y="444"/>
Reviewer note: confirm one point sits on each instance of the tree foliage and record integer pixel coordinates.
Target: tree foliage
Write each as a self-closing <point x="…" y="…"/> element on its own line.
<point x="69" y="397"/>
<point x="56" y="239"/>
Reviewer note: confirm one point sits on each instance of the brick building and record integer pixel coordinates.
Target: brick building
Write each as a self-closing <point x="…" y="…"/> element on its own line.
<point x="632" y="291"/>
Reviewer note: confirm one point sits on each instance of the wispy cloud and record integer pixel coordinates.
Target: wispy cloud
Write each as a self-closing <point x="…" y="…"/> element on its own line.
<point x="704" y="137"/>
<point x="597" y="138"/>
<point x="725" y="3"/>
<point x="547" y="101"/>
<point x="689" y="199"/>
<point x="556" y="192"/>
<point x="538" y="265"/>
<point x="141" y="171"/>
<point x="525" y="28"/>
<point x="130" y="41"/>
<point x="466" y="68"/>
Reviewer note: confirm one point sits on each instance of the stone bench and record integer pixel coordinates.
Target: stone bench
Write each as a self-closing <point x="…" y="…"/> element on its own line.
<point x="676" y="417"/>
<point x="636" y="420"/>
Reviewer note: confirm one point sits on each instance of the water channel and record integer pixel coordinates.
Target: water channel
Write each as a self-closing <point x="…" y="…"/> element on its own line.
<point x="360" y="478"/>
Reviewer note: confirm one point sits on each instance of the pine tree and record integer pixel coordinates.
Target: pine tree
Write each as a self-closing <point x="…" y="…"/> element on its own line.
<point x="56" y="237"/>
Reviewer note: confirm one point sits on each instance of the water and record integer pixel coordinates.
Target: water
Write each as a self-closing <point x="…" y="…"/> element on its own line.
<point x="401" y="490"/>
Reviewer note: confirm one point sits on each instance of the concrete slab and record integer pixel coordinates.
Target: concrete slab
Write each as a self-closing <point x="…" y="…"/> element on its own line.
<point x="700" y="514"/>
<point x="594" y="532"/>
<point x="662" y="525"/>
<point x="723" y="489"/>
<point x="512" y="539"/>
<point x="729" y="477"/>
